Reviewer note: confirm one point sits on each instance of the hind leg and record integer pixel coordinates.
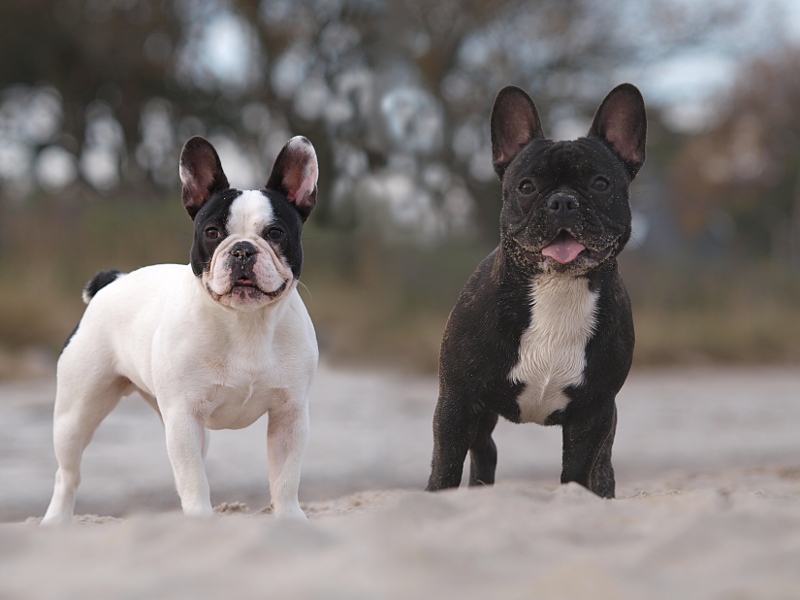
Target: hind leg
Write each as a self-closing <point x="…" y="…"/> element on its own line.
<point x="483" y="452"/>
<point x="454" y="430"/>
<point x="81" y="405"/>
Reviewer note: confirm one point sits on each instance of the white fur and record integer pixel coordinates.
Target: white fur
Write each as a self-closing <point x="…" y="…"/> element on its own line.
<point x="199" y="364"/>
<point x="552" y="353"/>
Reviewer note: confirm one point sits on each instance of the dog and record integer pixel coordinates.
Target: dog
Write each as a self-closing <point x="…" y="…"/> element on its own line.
<point x="543" y="332"/>
<point x="214" y="344"/>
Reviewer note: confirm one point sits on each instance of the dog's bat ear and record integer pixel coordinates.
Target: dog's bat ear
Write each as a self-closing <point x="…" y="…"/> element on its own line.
<point x="201" y="174"/>
<point x="515" y="122"/>
<point x="621" y="121"/>
<point x="295" y="174"/>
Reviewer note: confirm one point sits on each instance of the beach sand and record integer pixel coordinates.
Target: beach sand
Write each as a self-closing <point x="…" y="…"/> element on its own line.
<point x="708" y="486"/>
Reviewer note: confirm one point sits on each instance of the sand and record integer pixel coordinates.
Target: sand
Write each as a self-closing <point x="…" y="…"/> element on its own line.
<point x="708" y="475"/>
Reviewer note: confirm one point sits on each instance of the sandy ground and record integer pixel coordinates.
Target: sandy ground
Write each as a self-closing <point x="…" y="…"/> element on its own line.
<point x="708" y="485"/>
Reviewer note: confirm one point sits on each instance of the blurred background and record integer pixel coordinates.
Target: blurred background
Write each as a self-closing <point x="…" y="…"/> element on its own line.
<point x="97" y="98"/>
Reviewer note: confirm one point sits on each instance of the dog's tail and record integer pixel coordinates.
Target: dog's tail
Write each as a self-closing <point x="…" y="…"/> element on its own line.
<point x="98" y="282"/>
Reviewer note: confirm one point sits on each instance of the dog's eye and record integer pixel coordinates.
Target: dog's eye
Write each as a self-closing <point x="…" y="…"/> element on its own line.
<point x="275" y="233"/>
<point x="212" y="233"/>
<point x="600" y="184"/>
<point x="527" y="187"/>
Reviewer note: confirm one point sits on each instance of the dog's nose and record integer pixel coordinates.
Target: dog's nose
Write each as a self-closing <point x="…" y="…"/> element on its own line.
<point x="563" y="205"/>
<point x="243" y="250"/>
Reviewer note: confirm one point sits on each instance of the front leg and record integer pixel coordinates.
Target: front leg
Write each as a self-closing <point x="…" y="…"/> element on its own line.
<point x="186" y="445"/>
<point x="287" y="434"/>
<point x="587" y="450"/>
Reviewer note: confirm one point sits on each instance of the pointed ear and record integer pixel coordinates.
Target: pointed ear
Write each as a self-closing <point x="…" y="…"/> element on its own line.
<point x="201" y="174"/>
<point x="295" y="173"/>
<point x="515" y="122"/>
<point x="621" y="121"/>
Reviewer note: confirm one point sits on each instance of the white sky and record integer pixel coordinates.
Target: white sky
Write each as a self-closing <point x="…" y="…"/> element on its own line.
<point x="688" y="83"/>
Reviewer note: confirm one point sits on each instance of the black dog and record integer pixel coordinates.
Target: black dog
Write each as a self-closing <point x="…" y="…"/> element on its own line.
<point x="543" y="330"/>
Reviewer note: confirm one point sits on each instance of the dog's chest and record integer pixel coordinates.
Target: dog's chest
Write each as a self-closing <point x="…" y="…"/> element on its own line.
<point x="249" y="381"/>
<point x="552" y="351"/>
<point x="240" y="404"/>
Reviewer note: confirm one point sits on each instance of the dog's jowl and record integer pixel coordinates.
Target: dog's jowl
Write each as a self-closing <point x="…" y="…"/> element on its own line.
<point x="213" y="344"/>
<point x="542" y="331"/>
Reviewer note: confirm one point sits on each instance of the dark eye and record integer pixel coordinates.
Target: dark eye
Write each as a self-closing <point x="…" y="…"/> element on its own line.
<point x="212" y="233"/>
<point x="600" y="184"/>
<point x="275" y="233"/>
<point x="527" y="187"/>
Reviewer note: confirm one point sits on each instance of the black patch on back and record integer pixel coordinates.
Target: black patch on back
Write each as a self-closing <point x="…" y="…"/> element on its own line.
<point x="99" y="281"/>
<point x="69" y="338"/>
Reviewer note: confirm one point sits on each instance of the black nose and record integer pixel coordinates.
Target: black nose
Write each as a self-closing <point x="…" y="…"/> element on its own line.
<point x="243" y="250"/>
<point x="563" y="205"/>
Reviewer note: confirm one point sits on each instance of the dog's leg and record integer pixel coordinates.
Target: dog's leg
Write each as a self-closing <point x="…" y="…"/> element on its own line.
<point x="81" y="405"/>
<point x="602" y="475"/>
<point x="453" y="431"/>
<point x="483" y="452"/>
<point x="185" y="445"/>
<point x="287" y="434"/>
<point x="206" y="442"/>
<point x="587" y="451"/>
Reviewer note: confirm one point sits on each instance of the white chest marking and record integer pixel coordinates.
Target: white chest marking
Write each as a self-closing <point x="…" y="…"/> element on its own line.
<point x="552" y="351"/>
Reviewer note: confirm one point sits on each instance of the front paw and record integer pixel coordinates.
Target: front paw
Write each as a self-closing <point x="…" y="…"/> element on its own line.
<point x="292" y="513"/>
<point x="51" y="520"/>
<point x="198" y="510"/>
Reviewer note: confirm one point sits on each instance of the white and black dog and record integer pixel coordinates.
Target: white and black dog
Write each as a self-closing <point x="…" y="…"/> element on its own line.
<point x="214" y="344"/>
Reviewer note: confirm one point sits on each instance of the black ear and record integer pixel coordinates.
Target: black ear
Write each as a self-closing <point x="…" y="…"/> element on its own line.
<point x="515" y="122"/>
<point x="621" y="121"/>
<point x="295" y="173"/>
<point x="201" y="174"/>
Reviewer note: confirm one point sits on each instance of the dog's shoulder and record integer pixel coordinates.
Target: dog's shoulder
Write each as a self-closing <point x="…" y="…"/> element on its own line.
<point x="484" y="328"/>
<point x="297" y="330"/>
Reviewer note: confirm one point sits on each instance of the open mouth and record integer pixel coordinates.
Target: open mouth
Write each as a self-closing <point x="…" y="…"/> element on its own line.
<point x="564" y="249"/>
<point x="243" y="284"/>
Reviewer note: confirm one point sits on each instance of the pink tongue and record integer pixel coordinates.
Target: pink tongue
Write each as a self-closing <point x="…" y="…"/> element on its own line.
<point x="564" y="250"/>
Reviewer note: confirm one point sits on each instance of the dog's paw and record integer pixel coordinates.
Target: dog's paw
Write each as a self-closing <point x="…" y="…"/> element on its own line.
<point x="293" y="513"/>
<point x="200" y="510"/>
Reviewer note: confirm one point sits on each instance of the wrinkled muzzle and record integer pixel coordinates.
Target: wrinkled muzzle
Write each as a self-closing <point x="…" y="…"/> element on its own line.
<point x="247" y="273"/>
<point x="565" y="233"/>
